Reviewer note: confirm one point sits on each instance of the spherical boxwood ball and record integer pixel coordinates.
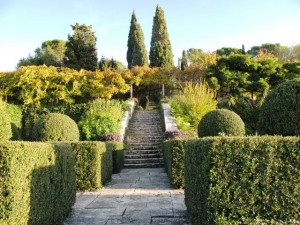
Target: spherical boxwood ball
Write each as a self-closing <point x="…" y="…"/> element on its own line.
<point x="221" y="122"/>
<point x="55" y="127"/>
<point x="280" y="112"/>
<point x="5" y="126"/>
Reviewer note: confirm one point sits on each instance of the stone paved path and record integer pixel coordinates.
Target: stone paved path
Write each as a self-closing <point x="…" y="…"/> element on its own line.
<point x="134" y="196"/>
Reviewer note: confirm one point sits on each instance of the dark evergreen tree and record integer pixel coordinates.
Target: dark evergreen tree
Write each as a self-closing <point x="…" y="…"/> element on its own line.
<point x="81" y="52"/>
<point x="160" y="51"/>
<point x="243" y="49"/>
<point x="184" y="60"/>
<point x="136" y="53"/>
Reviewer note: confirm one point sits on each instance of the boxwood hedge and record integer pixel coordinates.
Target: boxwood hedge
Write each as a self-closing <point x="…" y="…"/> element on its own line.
<point x="243" y="180"/>
<point x="93" y="164"/>
<point x="37" y="183"/>
<point x="117" y="149"/>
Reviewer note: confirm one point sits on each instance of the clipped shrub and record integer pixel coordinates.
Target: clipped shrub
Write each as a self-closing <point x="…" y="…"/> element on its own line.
<point x="55" y="127"/>
<point x="221" y="122"/>
<point x="118" y="155"/>
<point x="93" y="165"/>
<point x="5" y="124"/>
<point x="280" y="112"/>
<point x="242" y="180"/>
<point x="173" y="152"/>
<point x="37" y="183"/>
<point x="103" y="117"/>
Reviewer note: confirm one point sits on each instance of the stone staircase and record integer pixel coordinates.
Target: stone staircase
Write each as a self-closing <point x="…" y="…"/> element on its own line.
<point x="144" y="137"/>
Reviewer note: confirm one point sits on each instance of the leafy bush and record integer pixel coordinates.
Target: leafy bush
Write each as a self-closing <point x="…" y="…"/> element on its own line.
<point x="37" y="183"/>
<point x="280" y="113"/>
<point x="173" y="152"/>
<point x="113" y="137"/>
<point x="117" y="149"/>
<point x="5" y="126"/>
<point x="93" y="165"/>
<point x="55" y="127"/>
<point x="103" y="117"/>
<point x="175" y="134"/>
<point x="190" y="106"/>
<point x="221" y="122"/>
<point x="242" y="180"/>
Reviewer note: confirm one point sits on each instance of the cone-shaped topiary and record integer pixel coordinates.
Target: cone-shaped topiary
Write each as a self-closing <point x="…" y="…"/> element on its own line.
<point x="221" y="122"/>
<point x="5" y="126"/>
<point x="55" y="127"/>
<point x="280" y="112"/>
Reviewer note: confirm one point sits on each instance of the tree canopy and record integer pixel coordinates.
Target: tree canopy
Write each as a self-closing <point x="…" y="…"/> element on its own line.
<point x="81" y="52"/>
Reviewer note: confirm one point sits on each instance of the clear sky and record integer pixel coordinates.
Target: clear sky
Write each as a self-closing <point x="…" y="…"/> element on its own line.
<point x="205" y="24"/>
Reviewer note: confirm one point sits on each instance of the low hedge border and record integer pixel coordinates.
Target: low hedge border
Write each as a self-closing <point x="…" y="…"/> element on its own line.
<point x="93" y="165"/>
<point x="243" y="180"/>
<point x="37" y="183"/>
<point x="117" y="149"/>
<point x="173" y="152"/>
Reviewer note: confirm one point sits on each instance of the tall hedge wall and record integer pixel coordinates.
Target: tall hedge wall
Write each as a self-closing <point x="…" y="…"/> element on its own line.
<point x="37" y="183"/>
<point x="93" y="164"/>
<point x="243" y="180"/>
<point x="173" y="152"/>
<point x="117" y="149"/>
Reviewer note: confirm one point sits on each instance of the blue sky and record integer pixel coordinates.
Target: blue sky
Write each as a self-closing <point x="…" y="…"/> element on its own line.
<point x="205" y="24"/>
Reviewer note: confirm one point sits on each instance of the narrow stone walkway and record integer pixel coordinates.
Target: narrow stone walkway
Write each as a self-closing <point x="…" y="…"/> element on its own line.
<point x="134" y="196"/>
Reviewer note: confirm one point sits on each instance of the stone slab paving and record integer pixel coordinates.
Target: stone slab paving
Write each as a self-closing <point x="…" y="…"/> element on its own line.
<point x="134" y="196"/>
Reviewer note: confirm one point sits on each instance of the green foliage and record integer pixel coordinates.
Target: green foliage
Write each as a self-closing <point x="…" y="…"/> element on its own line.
<point x="110" y="64"/>
<point x="238" y="73"/>
<point x="117" y="149"/>
<point x="15" y="114"/>
<point x="55" y="127"/>
<point x="280" y="112"/>
<point x="160" y="50"/>
<point x="221" y="122"/>
<point x="190" y="106"/>
<point x="103" y="117"/>
<point x="173" y="152"/>
<point x="228" y="51"/>
<point x="5" y="123"/>
<point x="184" y="61"/>
<point x="37" y="183"/>
<point x="93" y="165"/>
<point x="51" y="53"/>
<point x="136" y="53"/>
<point x="242" y="180"/>
<point x="81" y="52"/>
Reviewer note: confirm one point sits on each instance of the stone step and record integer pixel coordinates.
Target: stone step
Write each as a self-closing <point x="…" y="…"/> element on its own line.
<point x="143" y="155"/>
<point x="144" y="165"/>
<point x="143" y="160"/>
<point x="143" y="147"/>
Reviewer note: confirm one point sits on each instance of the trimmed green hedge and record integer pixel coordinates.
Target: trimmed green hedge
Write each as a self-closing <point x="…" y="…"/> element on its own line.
<point x="243" y="180"/>
<point x="118" y="155"/>
<point x="173" y="152"/>
<point x="93" y="164"/>
<point x="37" y="183"/>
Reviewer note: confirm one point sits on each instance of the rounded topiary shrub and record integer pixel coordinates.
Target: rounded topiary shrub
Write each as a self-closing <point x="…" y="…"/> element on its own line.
<point x="221" y="122"/>
<point x="280" y="112"/>
<point x="5" y="126"/>
<point x="55" y="127"/>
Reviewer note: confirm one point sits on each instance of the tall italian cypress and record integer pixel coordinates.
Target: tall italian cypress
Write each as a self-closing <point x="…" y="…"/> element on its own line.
<point x="160" y="50"/>
<point x="81" y="52"/>
<point x="136" y="53"/>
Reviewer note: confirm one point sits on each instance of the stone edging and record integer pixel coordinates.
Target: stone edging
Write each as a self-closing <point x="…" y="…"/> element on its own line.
<point x="169" y="120"/>
<point x="126" y="119"/>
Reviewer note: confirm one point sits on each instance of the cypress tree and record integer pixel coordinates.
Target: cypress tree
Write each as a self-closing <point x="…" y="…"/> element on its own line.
<point x="136" y="53"/>
<point x="184" y="61"/>
<point x="81" y="52"/>
<point x="160" y="50"/>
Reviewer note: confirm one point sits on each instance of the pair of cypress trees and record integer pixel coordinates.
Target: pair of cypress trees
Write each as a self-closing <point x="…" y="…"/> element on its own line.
<point x="160" y="50"/>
